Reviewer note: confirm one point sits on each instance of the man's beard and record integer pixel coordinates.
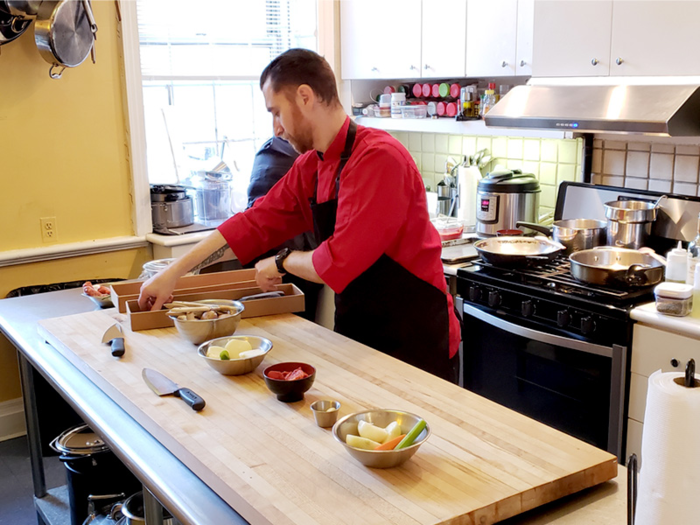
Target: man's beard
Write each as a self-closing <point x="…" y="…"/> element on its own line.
<point x="302" y="140"/>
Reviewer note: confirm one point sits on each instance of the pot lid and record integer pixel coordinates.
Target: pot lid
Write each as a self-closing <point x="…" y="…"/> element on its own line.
<point x="80" y="441"/>
<point x="507" y="181"/>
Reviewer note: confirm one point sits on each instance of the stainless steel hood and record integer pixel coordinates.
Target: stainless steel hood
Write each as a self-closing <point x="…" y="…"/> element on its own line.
<point x="647" y="109"/>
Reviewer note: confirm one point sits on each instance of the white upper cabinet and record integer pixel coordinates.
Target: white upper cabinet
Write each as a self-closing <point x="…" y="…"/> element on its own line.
<point x="572" y="38"/>
<point x="655" y="38"/>
<point x="523" y="47"/>
<point x="491" y="37"/>
<point x="444" y="35"/>
<point x="380" y="38"/>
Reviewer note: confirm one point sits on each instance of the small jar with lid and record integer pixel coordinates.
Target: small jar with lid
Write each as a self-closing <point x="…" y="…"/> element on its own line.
<point x="674" y="299"/>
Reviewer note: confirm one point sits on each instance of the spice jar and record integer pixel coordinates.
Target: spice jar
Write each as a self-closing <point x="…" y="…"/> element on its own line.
<point x="674" y="299"/>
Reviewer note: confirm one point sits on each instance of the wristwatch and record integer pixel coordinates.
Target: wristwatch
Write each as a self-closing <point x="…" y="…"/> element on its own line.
<point x="279" y="259"/>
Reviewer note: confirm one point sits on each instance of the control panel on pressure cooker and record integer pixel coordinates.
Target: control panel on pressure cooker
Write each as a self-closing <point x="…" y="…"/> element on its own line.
<point x="488" y="208"/>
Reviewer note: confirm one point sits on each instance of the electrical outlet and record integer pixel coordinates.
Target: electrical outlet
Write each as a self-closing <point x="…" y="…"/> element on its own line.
<point x="48" y="229"/>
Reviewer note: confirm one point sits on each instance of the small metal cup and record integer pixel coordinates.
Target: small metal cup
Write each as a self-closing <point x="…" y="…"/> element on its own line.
<point x="325" y="412"/>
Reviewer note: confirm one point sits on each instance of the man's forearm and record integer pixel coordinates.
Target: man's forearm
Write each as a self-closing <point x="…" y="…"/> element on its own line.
<point x="301" y="264"/>
<point x="210" y="250"/>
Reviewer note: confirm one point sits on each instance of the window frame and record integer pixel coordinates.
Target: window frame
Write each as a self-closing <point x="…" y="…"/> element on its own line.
<point x="327" y="39"/>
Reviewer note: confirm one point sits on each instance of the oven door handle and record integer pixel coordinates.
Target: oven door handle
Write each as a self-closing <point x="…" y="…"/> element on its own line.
<point x="542" y="337"/>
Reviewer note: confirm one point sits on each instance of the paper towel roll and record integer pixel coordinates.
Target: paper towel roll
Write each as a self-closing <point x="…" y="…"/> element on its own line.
<point x="669" y="481"/>
<point x="468" y="178"/>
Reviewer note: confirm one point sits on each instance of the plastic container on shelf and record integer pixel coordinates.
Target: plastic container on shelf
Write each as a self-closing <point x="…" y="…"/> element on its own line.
<point x="414" y="111"/>
<point x="397" y="101"/>
<point x="385" y="105"/>
<point x="674" y="299"/>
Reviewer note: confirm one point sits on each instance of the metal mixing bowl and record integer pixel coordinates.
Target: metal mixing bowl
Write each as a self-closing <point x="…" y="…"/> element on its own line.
<point x="201" y="330"/>
<point x="380" y="418"/>
<point x="236" y="367"/>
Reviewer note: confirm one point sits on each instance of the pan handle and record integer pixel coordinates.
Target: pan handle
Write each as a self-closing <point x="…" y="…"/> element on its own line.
<point x="635" y="275"/>
<point x="534" y="226"/>
<point x="56" y="76"/>
<point x="91" y="18"/>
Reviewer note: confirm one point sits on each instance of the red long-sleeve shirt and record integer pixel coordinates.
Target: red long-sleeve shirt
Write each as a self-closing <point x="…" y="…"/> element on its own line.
<point x="381" y="210"/>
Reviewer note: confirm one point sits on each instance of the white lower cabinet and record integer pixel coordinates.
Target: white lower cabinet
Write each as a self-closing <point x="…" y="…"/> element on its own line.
<point x="652" y="350"/>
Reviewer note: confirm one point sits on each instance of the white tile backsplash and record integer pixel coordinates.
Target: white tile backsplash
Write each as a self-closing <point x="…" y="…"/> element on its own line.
<point x="548" y="151"/>
<point x="685" y="168"/>
<point x="548" y="197"/>
<point x="567" y="151"/>
<point x="662" y="148"/>
<point x="566" y="172"/>
<point x="638" y="184"/>
<point x="613" y="161"/>
<point x="597" y="161"/>
<point x="611" y="180"/>
<point x="428" y="143"/>
<point x="441" y="143"/>
<point x="548" y="173"/>
<point x="661" y="166"/>
<point x="499" y="147"/>
<point x="637" y="164"/>
<point x="659" y="185"/>
<point x="614" y="144"/>
<point x="531" y="150"/>
<point x="455" y="145"/>
<point x="685" y="188"/>
<point x="515" y="149"/>
<point x="468" y="145"/>
<point x="687" y="150"/>
<point x="638" y="146"/>
<point x="414" y="142"/>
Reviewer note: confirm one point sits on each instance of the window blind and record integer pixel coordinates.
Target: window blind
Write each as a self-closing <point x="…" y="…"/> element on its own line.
<point x="220" y="38"/>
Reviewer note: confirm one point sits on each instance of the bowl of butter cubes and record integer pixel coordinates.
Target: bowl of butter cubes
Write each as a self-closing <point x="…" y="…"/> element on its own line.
<point x="235" y="355"/>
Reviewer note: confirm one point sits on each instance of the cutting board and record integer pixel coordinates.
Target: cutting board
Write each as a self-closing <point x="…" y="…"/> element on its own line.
<point x="483" y="463"/>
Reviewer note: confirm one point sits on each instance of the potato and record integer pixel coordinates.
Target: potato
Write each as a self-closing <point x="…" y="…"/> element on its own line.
<point x="211" y="314"/>
<point x="369" y="431"/>
<point x="393" y="430"/>
<point x="215" y="351"/>
<point x="247" y="354"/>
<point x="361" y="442"/>
<point x="236" y="346"/>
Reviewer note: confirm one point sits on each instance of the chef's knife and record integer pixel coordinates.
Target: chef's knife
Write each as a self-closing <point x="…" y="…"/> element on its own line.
<point x="163" y="386"/>
<point x="115" y="335"/>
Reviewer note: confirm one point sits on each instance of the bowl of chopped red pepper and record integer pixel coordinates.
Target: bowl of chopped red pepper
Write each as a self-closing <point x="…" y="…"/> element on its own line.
<point x="289" y="381"/>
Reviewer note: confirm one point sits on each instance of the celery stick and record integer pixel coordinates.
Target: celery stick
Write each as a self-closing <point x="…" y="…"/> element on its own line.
<point x="412" y="435"/>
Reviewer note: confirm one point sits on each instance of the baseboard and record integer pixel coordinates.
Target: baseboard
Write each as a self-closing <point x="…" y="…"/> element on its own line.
<point x="12" y="419"/>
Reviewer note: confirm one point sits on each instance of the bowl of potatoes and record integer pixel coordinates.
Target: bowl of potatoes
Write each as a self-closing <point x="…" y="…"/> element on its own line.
<point x="202" y="321"/>
<point x="235" y="355"/>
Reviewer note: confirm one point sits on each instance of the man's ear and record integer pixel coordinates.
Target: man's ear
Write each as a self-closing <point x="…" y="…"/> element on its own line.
<point x="306" y="95"/>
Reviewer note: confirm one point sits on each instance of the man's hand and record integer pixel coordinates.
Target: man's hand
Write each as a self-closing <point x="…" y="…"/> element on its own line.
<point x="267" y="275"/>
<point x="157" y="291"/>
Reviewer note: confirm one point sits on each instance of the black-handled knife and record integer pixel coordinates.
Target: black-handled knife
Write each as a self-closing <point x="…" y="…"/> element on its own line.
<point x="115" y="335"/>
<point x="163" y="386"/>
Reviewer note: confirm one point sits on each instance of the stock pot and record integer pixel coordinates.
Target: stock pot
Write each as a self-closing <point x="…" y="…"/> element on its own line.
<point x="629" y="222"/>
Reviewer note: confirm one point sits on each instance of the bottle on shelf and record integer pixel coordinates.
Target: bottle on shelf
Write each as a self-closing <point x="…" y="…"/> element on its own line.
<point x="488" y="100"/>
<point x="677" y="264"/>
<point x="693" y="256"/>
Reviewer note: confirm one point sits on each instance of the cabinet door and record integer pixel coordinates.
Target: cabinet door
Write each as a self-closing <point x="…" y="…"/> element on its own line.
<point x="523" y="47"/>
<point x="444" y="38"/>
<point x="571" y="38"/>
<point x="380" y="38"/>
<point x="655" y="38"/>
<point x="491" y="36"/>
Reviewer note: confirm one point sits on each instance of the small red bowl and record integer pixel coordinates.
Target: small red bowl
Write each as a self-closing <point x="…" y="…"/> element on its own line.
<point x="289" y="391"/>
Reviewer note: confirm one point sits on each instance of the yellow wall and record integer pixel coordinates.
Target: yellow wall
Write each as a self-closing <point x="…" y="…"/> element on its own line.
<point x="64" y="154"/>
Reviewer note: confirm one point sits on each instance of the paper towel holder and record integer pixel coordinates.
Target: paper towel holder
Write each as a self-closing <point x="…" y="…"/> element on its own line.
<point x="690" y="374"/>
<point x="631" y="488"/>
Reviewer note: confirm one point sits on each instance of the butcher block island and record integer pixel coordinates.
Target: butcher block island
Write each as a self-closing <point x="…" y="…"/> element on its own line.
<point x="269" y="460"/>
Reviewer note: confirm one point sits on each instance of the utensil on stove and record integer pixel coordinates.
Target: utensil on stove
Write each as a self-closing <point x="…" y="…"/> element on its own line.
<point x="115" y="336"/>
<point x="64" y="33"/>
<point x="517" y="251"/>
<point x="617" y="267"/>
<point x="574" y="234"/>
<point x="163" y="386"/>
<point x="629" y="221"/>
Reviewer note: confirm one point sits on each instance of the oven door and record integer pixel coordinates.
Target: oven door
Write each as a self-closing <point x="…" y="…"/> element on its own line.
<point x="574" y="386"/>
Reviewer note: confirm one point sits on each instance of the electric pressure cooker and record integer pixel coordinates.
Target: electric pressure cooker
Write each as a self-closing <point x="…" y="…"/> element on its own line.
<point x="171" y="207"/>
<point x="504" y="198"/>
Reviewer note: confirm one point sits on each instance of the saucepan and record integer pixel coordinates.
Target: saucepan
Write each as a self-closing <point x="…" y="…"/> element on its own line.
<point x="574" y="234"/>
<point x="518" y="251"/>
<point x="617" y="267"/>
<point x="629" y="222"/>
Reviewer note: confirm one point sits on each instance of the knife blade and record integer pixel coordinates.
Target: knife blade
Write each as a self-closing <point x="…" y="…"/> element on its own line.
<point x="163" y="386"/>
<point x="115" y="335"/>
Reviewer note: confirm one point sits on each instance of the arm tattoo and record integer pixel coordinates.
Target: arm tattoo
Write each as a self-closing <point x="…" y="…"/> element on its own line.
<point x="218" y="254"/>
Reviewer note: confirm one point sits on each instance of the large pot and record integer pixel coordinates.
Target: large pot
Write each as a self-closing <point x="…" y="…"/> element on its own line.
<point x="617" y="267"/>
<point x="574" y="234"/>
<point x="134" y="513"/>
<point x="513" y="252"/>
<point x="629" y="222"/>
<point x="503" y="199"/>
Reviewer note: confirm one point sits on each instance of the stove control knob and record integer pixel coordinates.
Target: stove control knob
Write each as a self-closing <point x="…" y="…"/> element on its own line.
<point x="527" y="308"/>
<point x="474" y="293"/>
<point x="494" y="299"/>
<point x="587" y="325"/>
<point x="563" y="318"/>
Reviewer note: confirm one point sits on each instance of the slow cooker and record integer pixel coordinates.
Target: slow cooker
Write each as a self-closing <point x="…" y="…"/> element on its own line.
<point x="504" y="198"/>
<point x="171" y="207"/>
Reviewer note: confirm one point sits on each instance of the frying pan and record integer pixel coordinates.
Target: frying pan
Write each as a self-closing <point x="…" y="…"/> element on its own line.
<point x="64" y="32"/>
<point x="518" y="251"/>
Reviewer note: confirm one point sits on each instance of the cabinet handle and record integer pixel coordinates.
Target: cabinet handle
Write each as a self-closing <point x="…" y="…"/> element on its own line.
<point x="413" y="67"/>
<point x="522" y="63"/>
<point x="595" y="62"/>
<point x="426" y="67"/>
<point x="375" y="69"/>
<point x="504" y="63"/>
<point x="619" y="61"/>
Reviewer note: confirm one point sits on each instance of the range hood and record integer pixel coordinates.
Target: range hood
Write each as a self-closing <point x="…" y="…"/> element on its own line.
<point x="645" y="109"/>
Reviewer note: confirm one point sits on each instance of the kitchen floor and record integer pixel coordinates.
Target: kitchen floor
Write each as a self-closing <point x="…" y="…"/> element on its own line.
<point x="16" y="489"/>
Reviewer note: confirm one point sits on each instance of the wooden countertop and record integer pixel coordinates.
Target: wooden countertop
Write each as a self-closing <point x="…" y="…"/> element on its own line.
<point x="483" y="462"/>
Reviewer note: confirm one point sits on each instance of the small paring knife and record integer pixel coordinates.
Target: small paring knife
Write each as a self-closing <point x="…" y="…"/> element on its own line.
<point x="163" y="386"/>
<point x="115" y="335"/>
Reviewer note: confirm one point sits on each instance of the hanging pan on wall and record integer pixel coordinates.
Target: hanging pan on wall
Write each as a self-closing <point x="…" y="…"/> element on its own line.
<point x="25" y="9"/>
<point x="11" y="26"/>
<point x="65" y="32"/>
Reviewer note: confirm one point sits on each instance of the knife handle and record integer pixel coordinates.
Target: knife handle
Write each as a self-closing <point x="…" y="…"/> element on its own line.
<point x="118" y="347"/>
<point x="192" y="399"/>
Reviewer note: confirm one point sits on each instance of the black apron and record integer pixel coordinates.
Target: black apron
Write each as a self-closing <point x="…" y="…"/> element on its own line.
<point x="387" y="307"/>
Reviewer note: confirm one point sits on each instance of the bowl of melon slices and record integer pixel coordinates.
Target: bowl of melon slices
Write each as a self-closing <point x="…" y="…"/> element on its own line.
<point x="381" y="438"/>
<point x="236" y="354"/>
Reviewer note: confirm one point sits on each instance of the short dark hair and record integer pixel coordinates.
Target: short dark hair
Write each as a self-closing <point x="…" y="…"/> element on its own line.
<point x="302" y="66"/>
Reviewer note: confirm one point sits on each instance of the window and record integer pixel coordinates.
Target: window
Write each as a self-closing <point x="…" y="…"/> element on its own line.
<point x="200" y="69"/>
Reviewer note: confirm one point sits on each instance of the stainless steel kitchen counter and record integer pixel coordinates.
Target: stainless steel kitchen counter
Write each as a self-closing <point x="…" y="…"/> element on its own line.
<point x="173" y="484"/>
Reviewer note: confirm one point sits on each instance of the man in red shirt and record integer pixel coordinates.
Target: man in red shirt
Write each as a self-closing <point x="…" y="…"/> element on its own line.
<point x="360" y="192"/>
